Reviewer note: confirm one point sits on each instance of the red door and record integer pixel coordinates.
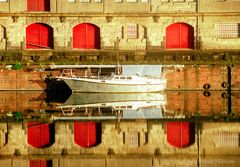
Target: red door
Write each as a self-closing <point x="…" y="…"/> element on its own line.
<point x="85" y="133"/>
<point x="180" y="134"/>
<point x="38" y="5"/>
<point x="179" y="36"/>
<point x="39" y="36"/>
<point x="86" y="36"/>
<point x="39" y="135"/>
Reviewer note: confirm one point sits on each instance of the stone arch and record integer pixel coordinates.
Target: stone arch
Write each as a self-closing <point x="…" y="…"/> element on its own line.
<point x="39" y="36"/>
<point x="179" y="36"/>
<point x="86" y="36"/>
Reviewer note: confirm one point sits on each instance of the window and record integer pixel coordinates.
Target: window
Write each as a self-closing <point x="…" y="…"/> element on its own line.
<point x="132" y="31"/>
<point x="145" y="1"/>
<point x="119" y="1"/>
<point x="229" y="30"/>
<point x="98" y="1"/>
<point x="71" y="0"/>
<point x="38" y="5"/>
<point x="3" y="0"/>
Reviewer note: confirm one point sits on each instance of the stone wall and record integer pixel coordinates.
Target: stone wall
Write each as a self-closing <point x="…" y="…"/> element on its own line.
<point x="219" y="6"/>
<point x="169" y="6"/>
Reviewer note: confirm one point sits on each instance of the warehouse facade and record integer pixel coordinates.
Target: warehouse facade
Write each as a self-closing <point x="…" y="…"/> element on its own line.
<point x="119" y="24"/>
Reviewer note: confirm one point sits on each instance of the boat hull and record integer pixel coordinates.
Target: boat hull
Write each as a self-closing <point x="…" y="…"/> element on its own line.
<point x="84" y="86"/>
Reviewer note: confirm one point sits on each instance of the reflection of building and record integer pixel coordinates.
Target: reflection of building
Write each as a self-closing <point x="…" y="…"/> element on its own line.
<point x="108" y="24"/>
<point x="111" y="161"/>
<point x="172" y="105"/>
<point x="146" y="143"/>
<point x="189" y="103"/>
<point x="141" y="137"/>
<point x="97" y="138"/>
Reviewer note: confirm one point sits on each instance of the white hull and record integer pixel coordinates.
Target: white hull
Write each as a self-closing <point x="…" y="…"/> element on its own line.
<point x="104" y="85"/>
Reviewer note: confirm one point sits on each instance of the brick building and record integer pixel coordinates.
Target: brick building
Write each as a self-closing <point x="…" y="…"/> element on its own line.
<point x="119" y="24"/>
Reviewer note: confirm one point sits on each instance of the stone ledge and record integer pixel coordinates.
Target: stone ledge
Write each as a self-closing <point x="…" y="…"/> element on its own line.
<point x="123" y="57"/>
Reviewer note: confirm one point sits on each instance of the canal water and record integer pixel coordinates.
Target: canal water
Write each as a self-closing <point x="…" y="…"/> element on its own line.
<point x="175" y="127"/>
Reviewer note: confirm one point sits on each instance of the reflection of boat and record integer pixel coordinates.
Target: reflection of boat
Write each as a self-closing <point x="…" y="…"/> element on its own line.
<point x="114" y="83"/>
<point x="119" y="101"/>
<point x="147" y="105"/>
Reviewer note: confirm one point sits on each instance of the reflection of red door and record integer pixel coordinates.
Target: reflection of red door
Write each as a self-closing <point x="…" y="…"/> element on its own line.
<point x="39" y="36"/>
<point x="38" y="5"/>
<point x="39" y="135"/>
<point x="179" y="35"/>
<point x="85" y="133"/>
<point x="180" y="134"/>
<point x="40" y="163"/>
<point x="86" y="36"/>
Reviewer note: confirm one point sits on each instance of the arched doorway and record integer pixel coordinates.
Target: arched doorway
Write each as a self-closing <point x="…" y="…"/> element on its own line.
<point x="179" y="36"/>
<point x="86" y="36"/>
<point x="180" y="134"/>
<point x="40" y="135"/>
<point x="87" y="134"/>
<point x="38" y="5"/>
<point x="39" y="36"/>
